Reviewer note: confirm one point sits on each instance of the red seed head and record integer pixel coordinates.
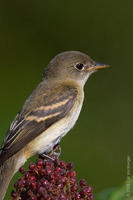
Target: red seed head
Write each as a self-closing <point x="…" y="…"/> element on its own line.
<point x="50" y="180"/>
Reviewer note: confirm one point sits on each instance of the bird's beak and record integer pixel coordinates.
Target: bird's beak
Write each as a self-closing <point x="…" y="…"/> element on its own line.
<point x="97" y="67"/>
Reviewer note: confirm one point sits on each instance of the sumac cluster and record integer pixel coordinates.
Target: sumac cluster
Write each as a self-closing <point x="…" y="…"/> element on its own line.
<point x="49" y="179"/>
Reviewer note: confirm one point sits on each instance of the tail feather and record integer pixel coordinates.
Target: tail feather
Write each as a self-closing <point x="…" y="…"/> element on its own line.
<point x="7" y="170"/>
<point x="6" y="174"/>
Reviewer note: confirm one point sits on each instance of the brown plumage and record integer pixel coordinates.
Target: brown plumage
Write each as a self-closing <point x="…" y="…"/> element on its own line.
<point x="48" y="114"/>
<point x="30" y="123"/>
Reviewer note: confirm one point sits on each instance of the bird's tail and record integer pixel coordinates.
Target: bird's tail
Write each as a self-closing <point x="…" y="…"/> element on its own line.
<point x="8" y="169"/>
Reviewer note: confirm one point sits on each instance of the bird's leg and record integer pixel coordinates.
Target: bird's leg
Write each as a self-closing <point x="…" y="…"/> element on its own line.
<point x="47" y="156"/>
<point x="56" y="151"/>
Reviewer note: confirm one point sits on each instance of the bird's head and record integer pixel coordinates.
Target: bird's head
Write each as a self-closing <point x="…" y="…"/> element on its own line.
<point x="72" y="65"/>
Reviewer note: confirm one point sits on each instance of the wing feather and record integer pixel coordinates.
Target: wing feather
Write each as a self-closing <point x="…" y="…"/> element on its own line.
<point x="28" y="126"/>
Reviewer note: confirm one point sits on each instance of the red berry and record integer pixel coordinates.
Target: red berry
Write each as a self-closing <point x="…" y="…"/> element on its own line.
<point x="63" y="172"/>
<point x="32" y="178"/>
<point x="60" y="186"/>
<point x="38" y="184"/>
<point x="33" y="197"/>
<point x="42" y="198"/>
<point x="62" y="196"/>
<point x="41" y="171"/>
<point x="48" y="198"/>
<point x="21" y="170"/>
<point x="45" y="183"/>
<point x="72" y="174"/>
<point x="74" y="188"/>
<point x="40" y="163"/>
<point x="21" y="183"/>
<point x="82" y="182"/>
<point x="13" y="194"/>
<point x="83" y="192"/>
<point x="77" y="195"/>
<point x="72" y="180"/>
<point x="64" y="180"/>
<point x="48" y="170"/>
<point x="41" y="190"/>
<point x="56" y="161"/>
<point x="90" y="196"/>
<point x="57" y="170"/>
<point x="63" y="164"/>
<point x="32" y="166"/>
<point x="70" y="165"/>
<point x="33" y="185"/>
<point x="88" y="189"/>
<point x="16" y="184"/>
<point x="27" y="175"/>
<point x="56" y="175"/>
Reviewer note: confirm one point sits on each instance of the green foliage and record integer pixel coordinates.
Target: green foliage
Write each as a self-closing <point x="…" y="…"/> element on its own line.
<point x="125" y="192"/>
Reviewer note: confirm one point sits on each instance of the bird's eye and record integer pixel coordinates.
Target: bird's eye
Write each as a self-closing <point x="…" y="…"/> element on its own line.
<point x="79" y="66"/>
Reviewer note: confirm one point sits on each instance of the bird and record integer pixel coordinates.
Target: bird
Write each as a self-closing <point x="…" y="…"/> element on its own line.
<point x="48" y="114"/>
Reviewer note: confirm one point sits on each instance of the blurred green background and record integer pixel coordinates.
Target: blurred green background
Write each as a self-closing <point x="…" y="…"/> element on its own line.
<point x="31" y="33"/>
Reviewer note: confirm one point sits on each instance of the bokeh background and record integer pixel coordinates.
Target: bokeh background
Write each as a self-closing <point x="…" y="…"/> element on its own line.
<point x="31" y="33"/>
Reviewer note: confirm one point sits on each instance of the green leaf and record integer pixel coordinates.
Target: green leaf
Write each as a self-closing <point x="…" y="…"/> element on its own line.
<point x="125" y="192"/>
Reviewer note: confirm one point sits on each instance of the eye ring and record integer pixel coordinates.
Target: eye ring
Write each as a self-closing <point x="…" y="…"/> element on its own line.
<point x="79" y="66"/>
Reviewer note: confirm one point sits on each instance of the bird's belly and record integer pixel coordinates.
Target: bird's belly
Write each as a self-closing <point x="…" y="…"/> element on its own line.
<point x="50" y="137"/>
<point x="53" y="135"/>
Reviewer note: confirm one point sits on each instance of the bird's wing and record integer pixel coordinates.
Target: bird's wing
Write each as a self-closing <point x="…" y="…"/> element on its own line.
<point x="50" y="108"/>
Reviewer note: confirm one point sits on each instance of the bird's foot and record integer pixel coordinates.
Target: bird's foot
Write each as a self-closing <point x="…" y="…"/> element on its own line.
<point x="56" y="151"/>
<point x="47" y="156"/>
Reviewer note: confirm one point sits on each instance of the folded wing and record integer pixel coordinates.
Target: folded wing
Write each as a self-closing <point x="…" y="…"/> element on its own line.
<point x="52" y="106"/>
